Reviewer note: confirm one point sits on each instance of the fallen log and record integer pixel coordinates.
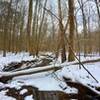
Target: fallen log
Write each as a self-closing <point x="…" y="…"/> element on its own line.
<point x="84" y="92"/>
<point x="88" y="61"/>
<point x="55" y="95"/>
<point x="5" y="76"/>
<point x="37" y="94"/>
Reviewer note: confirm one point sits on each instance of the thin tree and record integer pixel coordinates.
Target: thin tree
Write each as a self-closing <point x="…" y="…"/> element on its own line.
<point x="62" y="33"/>
<point x="98" y="11"/>
<point x="6" y="25"/>
<point x="40" y="29"/>
<point x="29" y="24"/>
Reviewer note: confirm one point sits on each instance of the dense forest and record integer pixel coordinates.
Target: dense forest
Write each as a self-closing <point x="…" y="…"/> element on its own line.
<point x="55" y="26"/>
<point x="50" y="49"/>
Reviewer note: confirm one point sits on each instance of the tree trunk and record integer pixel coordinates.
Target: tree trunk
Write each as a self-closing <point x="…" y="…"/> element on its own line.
<point x="71" y="30"/>
<point x="62" y="34"/>
<point x="29" y="24"/>
<point x="98" y="11"/>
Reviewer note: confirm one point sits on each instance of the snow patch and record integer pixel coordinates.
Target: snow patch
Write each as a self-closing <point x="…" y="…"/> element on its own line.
<point x="29" y="98"/>
<point x="23" y="91"/>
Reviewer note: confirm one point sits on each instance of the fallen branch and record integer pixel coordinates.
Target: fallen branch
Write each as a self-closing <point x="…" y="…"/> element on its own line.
<point x="5" y="76"/>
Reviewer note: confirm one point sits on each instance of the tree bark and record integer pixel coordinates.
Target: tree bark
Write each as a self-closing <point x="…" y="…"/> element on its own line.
<point x="62" y="34"/>
<point x="71" y="30"/>
<point x="29" y="24"/>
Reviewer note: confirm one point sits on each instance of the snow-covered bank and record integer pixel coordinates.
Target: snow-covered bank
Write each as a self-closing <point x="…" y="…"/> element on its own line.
<point x="52" y="81"/>
<point x="12" y="57"/>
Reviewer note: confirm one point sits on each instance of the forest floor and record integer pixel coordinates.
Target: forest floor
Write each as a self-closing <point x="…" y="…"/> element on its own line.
<point x="49" y="81"/>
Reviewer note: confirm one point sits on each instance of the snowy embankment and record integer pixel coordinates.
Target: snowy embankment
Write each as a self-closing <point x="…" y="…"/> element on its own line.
<point x="52" y="81"/>
<point x="12" y="57"/>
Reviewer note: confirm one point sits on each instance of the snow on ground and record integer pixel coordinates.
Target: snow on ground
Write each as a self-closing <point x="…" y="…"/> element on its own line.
<point x="29" y="97"/>
<point x="23" y="91"/>
<point x="4" y="97"/>
<point x="47" y="81"/>
<point x="12" y="57"/>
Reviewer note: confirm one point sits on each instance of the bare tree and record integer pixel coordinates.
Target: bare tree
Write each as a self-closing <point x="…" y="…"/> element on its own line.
<point x="29" y="24"/>
<point x="71" y="29"/>
<point x="98" y="11"/>
<point x="62" y="33"/>
<point x="6" y="25"/>
<point x="40" y="28"/>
